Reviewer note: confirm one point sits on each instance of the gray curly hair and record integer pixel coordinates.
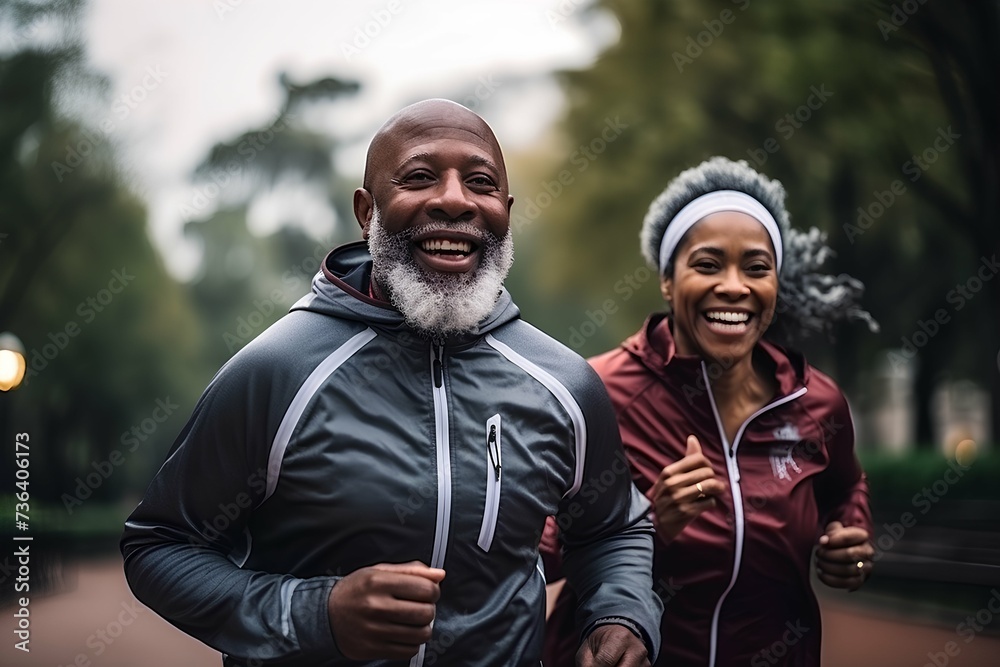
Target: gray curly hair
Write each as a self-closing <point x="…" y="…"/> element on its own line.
<point x="808" y="301"/>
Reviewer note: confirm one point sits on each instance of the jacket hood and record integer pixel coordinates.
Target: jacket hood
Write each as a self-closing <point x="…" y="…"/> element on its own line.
<point x="653" y="345"/>
<point x="341" y="289"/>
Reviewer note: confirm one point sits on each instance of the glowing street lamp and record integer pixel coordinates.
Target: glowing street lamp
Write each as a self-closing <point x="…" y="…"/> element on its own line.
<point x="12" y="363"/>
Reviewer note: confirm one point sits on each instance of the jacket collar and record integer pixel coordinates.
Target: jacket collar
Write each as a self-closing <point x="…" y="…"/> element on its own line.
<point x="653" y="345"/>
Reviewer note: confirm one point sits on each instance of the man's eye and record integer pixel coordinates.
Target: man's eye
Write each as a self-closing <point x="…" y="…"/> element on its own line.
<point x="482" y="181"/>
<point x="414" y="177"/>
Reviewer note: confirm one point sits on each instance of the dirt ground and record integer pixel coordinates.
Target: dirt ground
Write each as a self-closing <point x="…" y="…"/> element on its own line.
<point x="96" y="622"/>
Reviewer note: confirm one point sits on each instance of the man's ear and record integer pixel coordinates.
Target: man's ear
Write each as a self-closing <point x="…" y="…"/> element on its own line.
<point x="364" y="207"/>
<point x="510" y="203"/>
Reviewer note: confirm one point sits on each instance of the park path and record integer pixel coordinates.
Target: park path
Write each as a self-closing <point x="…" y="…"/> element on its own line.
<point x="96" y="622"/>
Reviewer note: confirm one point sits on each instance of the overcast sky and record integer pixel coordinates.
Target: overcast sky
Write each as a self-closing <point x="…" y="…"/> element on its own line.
<point x="186" y="74"/>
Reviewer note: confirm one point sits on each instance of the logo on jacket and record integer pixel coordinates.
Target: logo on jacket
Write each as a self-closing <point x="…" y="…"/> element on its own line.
<point x="787" y="432"/>
<point x="782" y="460"/>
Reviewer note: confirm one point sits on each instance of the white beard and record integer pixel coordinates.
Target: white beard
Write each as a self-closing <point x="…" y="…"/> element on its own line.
<point x="439" y="304"/>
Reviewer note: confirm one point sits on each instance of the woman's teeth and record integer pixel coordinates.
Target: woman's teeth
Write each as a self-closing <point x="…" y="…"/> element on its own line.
<point x="727" y="317"/>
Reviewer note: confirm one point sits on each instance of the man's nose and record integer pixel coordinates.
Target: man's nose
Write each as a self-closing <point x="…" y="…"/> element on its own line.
<point x="450" y="199"/>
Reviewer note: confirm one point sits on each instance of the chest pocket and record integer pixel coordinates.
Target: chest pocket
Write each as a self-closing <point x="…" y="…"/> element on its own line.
<point x="494" y="474"/>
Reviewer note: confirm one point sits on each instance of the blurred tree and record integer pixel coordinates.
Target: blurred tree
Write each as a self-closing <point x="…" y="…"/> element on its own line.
<point x="110" y="336"/>
<point x="808" y="93"/>
<point x="960" y="43"/>
<point x="246" y="282"/>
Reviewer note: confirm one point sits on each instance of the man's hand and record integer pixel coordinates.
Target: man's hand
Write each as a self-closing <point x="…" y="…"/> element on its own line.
<point x="611" y="645"/>
<point x="384" y="611"/>
<point x="844" y="556"/>
<point x="676" y="497"/>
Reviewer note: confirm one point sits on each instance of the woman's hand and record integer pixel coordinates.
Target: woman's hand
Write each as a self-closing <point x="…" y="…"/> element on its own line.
<point x="844" y="556"/>
<point x="684" y="490"/>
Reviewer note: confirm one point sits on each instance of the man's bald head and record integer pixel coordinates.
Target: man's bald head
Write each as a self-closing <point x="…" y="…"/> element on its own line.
<point x="428" y="118"/>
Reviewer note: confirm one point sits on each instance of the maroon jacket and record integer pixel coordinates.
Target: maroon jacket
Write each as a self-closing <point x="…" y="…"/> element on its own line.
<point x="735" y="583"/>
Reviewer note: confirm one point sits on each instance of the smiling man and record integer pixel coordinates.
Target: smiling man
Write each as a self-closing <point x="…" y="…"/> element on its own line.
<point x="368" y="480"/>
<point x="441" y="247"/>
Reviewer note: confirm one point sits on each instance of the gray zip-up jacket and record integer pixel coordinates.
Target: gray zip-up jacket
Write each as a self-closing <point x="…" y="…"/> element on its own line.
<point x="340" y="438"/>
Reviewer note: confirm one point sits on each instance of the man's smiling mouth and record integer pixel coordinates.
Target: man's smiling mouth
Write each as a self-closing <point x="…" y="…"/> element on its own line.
<point x="437" y="246"/>
<point x="446" y="251"/>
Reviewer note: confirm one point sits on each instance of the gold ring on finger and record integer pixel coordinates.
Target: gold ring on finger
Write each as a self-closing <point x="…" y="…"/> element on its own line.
<point x="701" y="491"/>
<point x="861" y="565"/>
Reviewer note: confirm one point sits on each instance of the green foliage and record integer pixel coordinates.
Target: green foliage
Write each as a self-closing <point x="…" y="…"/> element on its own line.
<point x="245" y="283"/>
<point x="815" y="95"/>
<point x="107" y="331"/>
<point x="895" y="478"/>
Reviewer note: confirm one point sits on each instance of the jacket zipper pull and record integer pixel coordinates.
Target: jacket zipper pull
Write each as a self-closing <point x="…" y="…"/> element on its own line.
<point x="438" y="376"/>
<point x="494" y="450"/>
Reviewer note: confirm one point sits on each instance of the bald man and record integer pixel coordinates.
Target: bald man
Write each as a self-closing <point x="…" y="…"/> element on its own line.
<point x="369" y="479"/>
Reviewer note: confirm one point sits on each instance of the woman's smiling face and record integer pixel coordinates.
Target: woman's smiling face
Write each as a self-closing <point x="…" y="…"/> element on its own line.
<point x="724" y="287"/>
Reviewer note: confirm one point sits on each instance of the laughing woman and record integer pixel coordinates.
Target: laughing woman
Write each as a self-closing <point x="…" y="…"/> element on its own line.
<point x="744" y="450"/>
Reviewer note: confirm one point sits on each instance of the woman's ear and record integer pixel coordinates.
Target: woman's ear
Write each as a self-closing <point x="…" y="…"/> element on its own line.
<point x="666" y="289"/>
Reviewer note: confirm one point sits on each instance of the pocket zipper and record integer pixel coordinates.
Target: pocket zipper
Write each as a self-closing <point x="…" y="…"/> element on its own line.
<point x="493" y="475"/>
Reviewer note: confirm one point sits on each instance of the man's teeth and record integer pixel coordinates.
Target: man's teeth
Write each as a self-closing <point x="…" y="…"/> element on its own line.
<point x="728" y="317"/>
<point x="446" y="245"/>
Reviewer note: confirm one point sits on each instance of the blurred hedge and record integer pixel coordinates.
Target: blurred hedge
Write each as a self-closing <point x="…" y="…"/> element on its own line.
<point x="895" y="478"/>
